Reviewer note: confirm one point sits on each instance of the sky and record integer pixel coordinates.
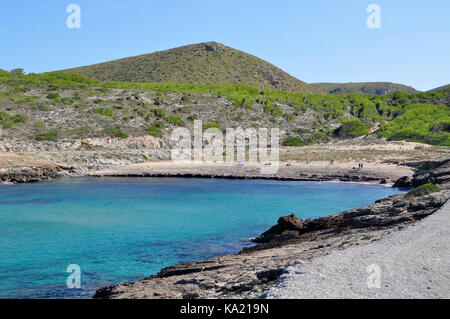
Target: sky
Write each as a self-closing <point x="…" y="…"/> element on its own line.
<point x="315" y="41"/>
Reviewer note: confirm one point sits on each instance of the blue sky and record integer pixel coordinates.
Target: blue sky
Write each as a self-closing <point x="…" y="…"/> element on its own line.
<point x="316" y="41"/>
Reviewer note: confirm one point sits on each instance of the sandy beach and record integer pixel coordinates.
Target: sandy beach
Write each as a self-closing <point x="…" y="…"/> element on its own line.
<point x="314" y="171"/>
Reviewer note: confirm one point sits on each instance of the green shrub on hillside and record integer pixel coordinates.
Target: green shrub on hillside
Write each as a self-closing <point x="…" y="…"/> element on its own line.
<point x="27" y="99"/>
<point x="211" y="125"/>
<point x="67" y="100"/>
<point x="273" y="109"/>
<point x="186" y="99"/>
<point x="53" y="96"/>
<point x="4" y="116"/>
<point x="175" y="120"/>
<point x="158" y="101"/>
<point x="7" y="121"/>
<point x="294" y="141"/>
<point x="18" y="118"/>
<point x="352" y="128"/>
<point x="154" y="130"/>
<point x="115" y="132"/>
<point x="424" y="123"/>
<point x="17" y="72"/>
<point x="51" y="135"/>
<point x="159" y="124"/>
<point x="423" y="190"/>
<point x="159" y="113"/>
<point x="6" y="124"/>
<point x="103" y="111"/>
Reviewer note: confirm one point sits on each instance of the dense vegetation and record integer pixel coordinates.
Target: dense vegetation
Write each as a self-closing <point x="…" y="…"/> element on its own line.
<point x="372" y="88"/>
<point x="420" y="117"/>
<point x="203" y="63"/>
<point x="352" y="128"/>
<point x="420" y="123"/>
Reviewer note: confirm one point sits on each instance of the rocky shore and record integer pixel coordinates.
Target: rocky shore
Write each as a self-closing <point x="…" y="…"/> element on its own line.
<point x="23" y="169"/>
<point x="251" y="272"/>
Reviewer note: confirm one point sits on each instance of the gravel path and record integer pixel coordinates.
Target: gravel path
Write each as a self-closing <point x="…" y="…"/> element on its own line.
<point x="412" y="263"/>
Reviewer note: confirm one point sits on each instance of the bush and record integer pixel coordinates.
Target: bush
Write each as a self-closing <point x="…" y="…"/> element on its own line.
<point x="211" y="125"/>
<point x="103" y="111"/>
<point x="158" y="101"/>
<point x="114" y="132"/>
<point x="294" y="141"/>
<point x="27" y="99"/>
<point x="18" y="118"/>
<point x="352" y="128"/>
<point x="426" y="123"/>
<point x="186" y="99"/>
<point x="159" y="113"/>
<point x="17" y="72"/>
<point x="159" y="124"/>
<point x="4" y="116"/>
<point x="67" y="100"/>
<point x="175" y="120"/>
<point x="6" y="124"/>
<point x="53" y="96"/>
<point x="273" y="110"/>
<point x="423" y="190"/>
<point x="154" y="130"/>
<point x="51" y="135"/>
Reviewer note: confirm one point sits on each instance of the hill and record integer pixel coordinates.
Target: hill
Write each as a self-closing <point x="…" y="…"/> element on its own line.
<point x="441" y="88"/>
<point x="372" y="88"/>
<point x="204" y="63"/>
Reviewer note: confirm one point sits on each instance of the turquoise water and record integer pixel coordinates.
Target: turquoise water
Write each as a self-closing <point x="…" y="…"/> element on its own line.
<point x="124" y="229"/>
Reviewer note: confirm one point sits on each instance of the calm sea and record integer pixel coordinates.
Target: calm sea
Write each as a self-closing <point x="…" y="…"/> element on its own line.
<point x="124" y="229"/>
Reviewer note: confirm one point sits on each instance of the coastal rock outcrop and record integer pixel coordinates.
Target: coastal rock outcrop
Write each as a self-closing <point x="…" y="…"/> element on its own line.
<point x="437" y="173"/>
<point x="386" y="212"/>
<point x="23" y="168"/>
<point x="403" y="182"/>
<point x="34" y="174"/>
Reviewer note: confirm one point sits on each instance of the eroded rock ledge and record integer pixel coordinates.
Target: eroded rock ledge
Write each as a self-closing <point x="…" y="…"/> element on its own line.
<point x="16" y="168"/>
<point x="251" y="272"/>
